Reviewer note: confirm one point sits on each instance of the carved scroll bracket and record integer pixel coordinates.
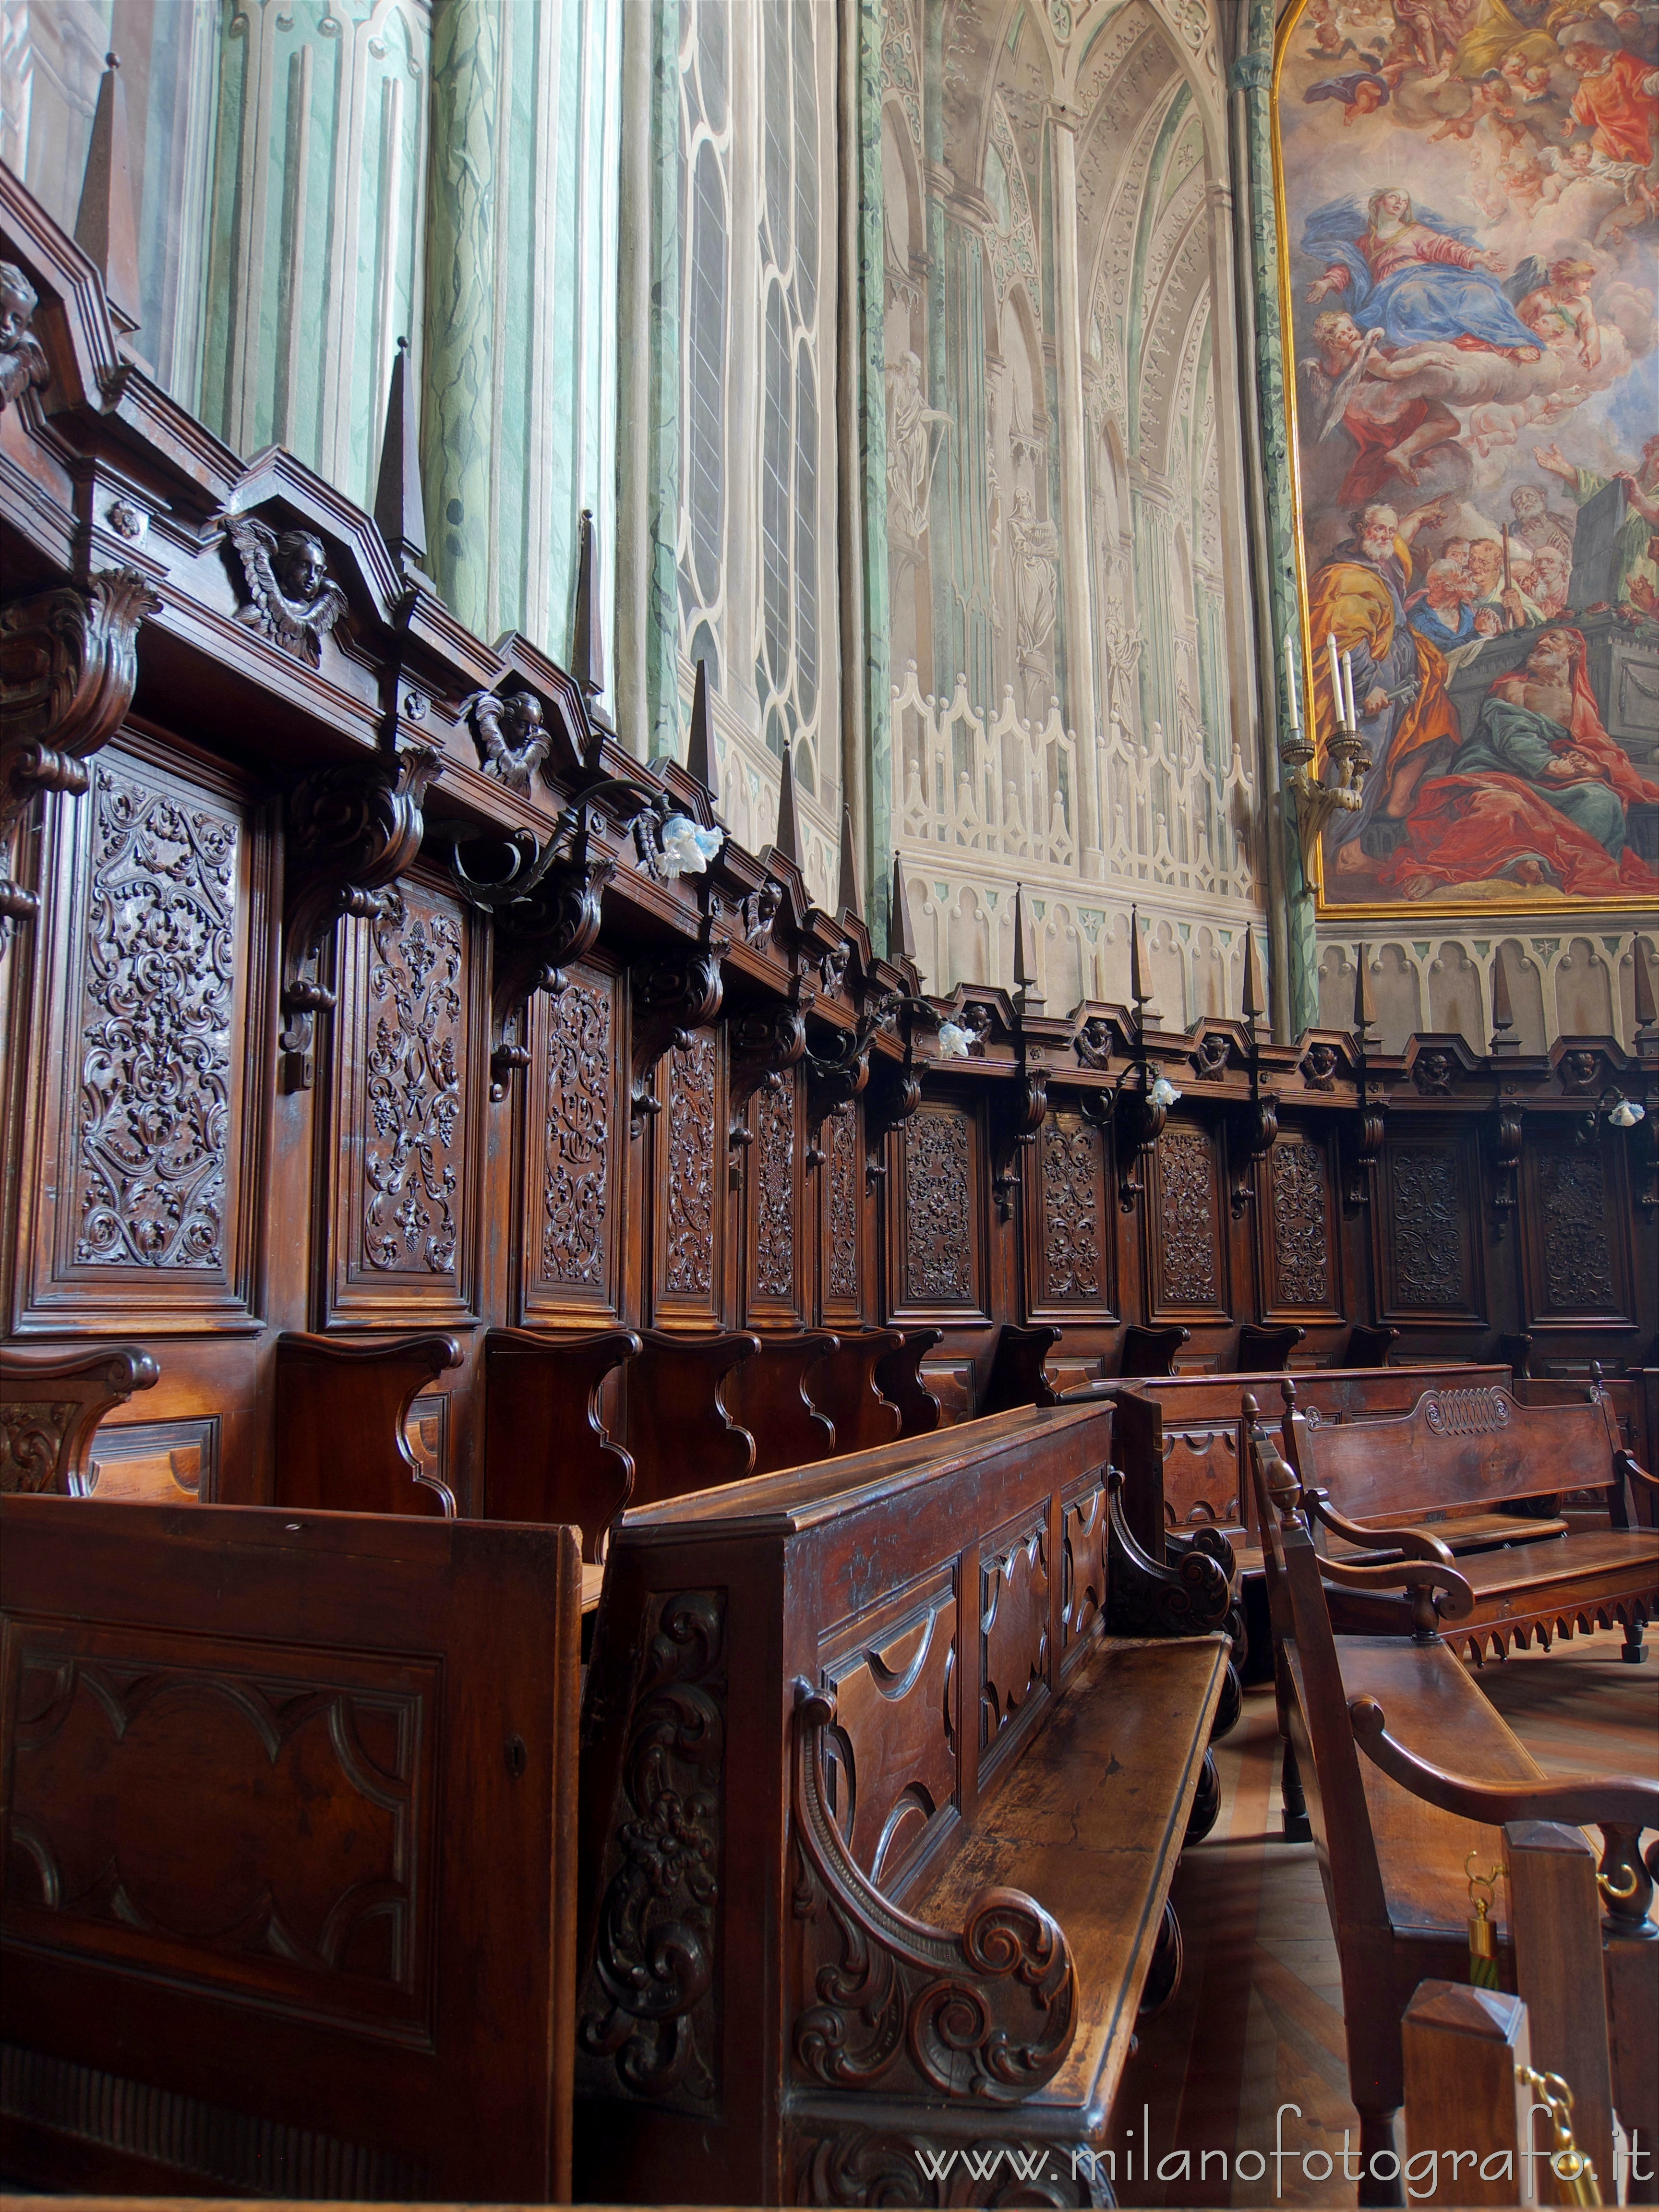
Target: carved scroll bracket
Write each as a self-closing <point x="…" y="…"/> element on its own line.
<point x="1506" y="1161"/>
<point x="69" y="661"/>
<point x="1020" y="1123"/>
<point x="838" y="1060"/>
<point x="767" y="1039"/>
<point x="1259" y="1129"/>
<point x="674" y="993"/>
<point x="352" y="832"/>
<point x="1368" y="1149"/>
<point x="982" y="2015"/>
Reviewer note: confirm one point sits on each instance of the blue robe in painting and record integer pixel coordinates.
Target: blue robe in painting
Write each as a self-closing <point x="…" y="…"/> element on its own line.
<point x="1422" y="301"/>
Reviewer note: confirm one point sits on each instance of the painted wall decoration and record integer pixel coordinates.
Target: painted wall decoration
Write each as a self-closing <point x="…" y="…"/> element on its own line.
<point x="1470" y="226"/>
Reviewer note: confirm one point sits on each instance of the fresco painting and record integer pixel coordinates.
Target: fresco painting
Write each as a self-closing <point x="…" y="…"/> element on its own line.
<point x="1469" y="233"/>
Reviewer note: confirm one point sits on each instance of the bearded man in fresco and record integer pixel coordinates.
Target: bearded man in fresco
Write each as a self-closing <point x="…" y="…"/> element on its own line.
<point x="1536" y="796"/>
<point x="1406" y="717"/>
<point x="1414" y="279"/>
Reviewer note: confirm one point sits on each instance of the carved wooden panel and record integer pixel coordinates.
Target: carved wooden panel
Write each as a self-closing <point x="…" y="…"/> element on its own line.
<point x="1428" y="1233"/>
<point x="32" y="1435"/>
<point x="1575" y="1215"/>
<point x="1013" y="1626"/>
<point x="1069" y="1208"/>
<point x="891" y="1764"/>
<point x="936" y="1218"/>
<point x="159" y="1462"/>
<point x="410" y="1044"/>
<point x="1082" y="1566"/>
<point x="1201" y="1478"/>
<point x="840" y="1181"/>
<point x="1299" y="1244"/>
<point x="1186" y="1248"/>
<point x="144" y="1140"/>
<point x="574" y="1158"/>
<point x="248" y="1889"/>
<point x="689" y="1225"/>
<point x="648" y="2022"/>
<point x="774" y="1189"/>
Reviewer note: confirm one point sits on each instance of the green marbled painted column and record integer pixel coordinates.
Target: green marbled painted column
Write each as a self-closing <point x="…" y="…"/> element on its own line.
<point x="873" y="472"/>
<point x="663" y="613"/>
<point x="1251" y="76"/>
<point x="459" y="417"/>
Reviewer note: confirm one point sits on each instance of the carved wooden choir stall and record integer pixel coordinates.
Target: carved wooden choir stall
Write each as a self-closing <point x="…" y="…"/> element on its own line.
<point x="416" y="1104"/>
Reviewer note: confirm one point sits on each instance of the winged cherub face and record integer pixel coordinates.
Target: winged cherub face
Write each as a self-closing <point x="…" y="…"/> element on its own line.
<point x="300" y="565"/>
<point x="521" y="715"/>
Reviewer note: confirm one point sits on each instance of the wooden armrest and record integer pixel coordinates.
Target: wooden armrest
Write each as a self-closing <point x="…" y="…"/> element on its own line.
<point x="1415" y="1575"/>
<point x="1411" y="1543"/>
<point x="1620" y="1805"/>
<point x="1627" y="1463"/>
<point x="54" y="1398"/>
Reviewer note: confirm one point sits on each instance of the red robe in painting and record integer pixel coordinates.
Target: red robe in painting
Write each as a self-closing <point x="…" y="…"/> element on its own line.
<point x="1469" y="828"/>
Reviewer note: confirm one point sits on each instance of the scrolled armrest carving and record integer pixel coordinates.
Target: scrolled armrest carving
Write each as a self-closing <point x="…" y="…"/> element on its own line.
<point x="1191" y="1596"/>
<point x="984" y="2014"/>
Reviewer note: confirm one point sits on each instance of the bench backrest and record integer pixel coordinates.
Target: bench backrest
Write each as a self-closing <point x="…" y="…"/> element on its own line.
<point x="1177" y="1438"/>
<point x="1471" y="1445"/>
<point x="548" y="1453"/>
<point x="289" y="1901"/>
<point x="941" y="1589"/>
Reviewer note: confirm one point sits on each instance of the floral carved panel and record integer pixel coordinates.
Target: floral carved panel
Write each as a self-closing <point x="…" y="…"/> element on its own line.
<point x="841" y="1240"/>
<point x="406" y="1049"/>
<point x="1299" y="1204"/>
<point x="1187" y="1265"/>
<point x="687" y="1270"/>
<point x="937" y="1220"/>
<point x="1427" y="1194"/>
<point x="571" y="1192"/>
<point x="144" y="1029"/>
<point x="1071" y="1222"/>
<point x="772" y="1196"/>
<point x="1575" y="1264"/>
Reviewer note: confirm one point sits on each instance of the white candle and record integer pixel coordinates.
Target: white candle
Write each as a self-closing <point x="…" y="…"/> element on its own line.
<point x="1336" y="678"/>
<point x="1347" y="692"/>
<point x="1290" y="681"/>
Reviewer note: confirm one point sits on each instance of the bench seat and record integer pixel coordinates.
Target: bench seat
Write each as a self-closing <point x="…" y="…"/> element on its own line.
<point x="1091" y="1822"/>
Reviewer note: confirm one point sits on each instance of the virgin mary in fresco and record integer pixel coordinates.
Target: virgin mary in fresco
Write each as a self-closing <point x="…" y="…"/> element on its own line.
<point x="1474" y="326"/>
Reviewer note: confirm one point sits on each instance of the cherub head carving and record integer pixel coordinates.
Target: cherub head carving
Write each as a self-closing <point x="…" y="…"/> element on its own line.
<point x="292" y="599"/>
<point x="511" y="740"/>
<point x="22" y="361"/>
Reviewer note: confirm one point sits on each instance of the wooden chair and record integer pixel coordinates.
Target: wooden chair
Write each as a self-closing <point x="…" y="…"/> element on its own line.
<point x="52" y="1400"/>
<point x="1367" y="1347"/>
<point x="768" y="1396"/>
<point x="898" y="1377"/>
<point x="1261" y="1350"/>
<point x="1476" y="1458"/>
<point x="549" y="1454"/>
<point x="845" y="1386"/>
<point x="1393" y="1831"/>
<point x="1151" y="1351"/>
<point x="342" y="1424"/>
<point x="676" y="1425"/>
<point x="1016" y="1376"/>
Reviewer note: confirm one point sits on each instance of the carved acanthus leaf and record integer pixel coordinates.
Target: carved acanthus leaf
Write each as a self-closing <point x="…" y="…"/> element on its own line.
<point x="674" y="993"/>
<point x="983" y="2014"/>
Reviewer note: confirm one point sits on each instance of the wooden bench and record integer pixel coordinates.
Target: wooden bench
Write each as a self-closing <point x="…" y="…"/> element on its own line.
<point x="677" y="1426"/>
<point x="846" y="1387"/>
<point x="1442" y="1772"/>
<point x="899" y="1379"/>
<point x="876" y="1826"/>
<point x="289" y="1901"/>
<point x="547" y="1454"/>
<point x="343" y="1420"/>
<point x="1464" y="1451"/>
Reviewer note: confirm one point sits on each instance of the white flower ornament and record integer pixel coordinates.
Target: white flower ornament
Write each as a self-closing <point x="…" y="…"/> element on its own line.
<point x="954" y="1041"/>
<point x="686" y="849"/>
<point x="1164" y="1092"/>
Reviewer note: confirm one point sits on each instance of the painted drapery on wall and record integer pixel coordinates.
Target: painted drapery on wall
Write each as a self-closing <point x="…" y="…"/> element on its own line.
<point x="1469" y="209"/>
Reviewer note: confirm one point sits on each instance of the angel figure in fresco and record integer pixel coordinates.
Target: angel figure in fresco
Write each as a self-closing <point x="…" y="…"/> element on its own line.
<point x="292" y="600"/>
<point x="1413" y="277"/>
<point x="1361" y="389"/>
<point x="1536" y="795"/>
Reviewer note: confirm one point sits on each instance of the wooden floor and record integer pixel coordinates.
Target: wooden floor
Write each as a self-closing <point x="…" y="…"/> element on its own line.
<point x="1257" y="2022"/>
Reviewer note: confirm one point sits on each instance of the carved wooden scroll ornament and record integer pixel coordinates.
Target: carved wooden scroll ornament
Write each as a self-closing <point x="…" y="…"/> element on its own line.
<point x="984" y="2014"/>
<point x="69" y="661"/>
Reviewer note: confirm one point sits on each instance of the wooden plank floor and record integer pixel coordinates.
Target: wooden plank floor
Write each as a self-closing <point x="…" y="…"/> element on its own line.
<point x="1257" y="2022"/>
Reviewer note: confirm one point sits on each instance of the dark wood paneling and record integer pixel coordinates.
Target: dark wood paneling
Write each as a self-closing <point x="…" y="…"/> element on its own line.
<point x="1298" y="1240"/>
<point x="575" y="1153"/>
<point x="842" y="1215"/>
<point x="1186" y="1242"/>
<point x="1429" y="1232"/>
<point x="405" y="1164"/>
<point x="1576" y="1213"/>
<point x="774" y="1179"/>
<point x="141" y="1201"/>
<point x="1071" y="1235"/>
<point x="689" y="1255"/>
<point x="937" y="1224"/>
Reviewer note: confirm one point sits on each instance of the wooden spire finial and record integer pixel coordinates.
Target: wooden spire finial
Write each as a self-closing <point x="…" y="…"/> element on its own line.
<point x="104" y="225"/>
<point x="1503" y="1008"/>
<point x="1025" y="972"/>
<point x="399" y="508"/>
<point x="900" y="938"/>
<point x="846" y="888"/>
<point x="701" y="760"/>
<point x="1138" y="989"/>
<point x="1255" y="996"/>
<point x="787" y="839"/>
<point x="1647" y="1012"/>
<point x="1364" y="1005"/>
<point x="587" y="637"/>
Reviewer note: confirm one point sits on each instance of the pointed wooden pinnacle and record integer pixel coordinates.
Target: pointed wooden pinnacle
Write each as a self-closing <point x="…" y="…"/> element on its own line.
<point x="1255" y="998"/>
<point x="1025" y="951"/>
<point x="787" y="839"/>
<point x="1503" y="1007"/>
<point x="701" y="759"/>
<point x="901" y="939"/>
<point x="1647" y="1013"/>
<point x="586" y="635"/>
<point x="1138" y="990"/>
<point x="104" y="226"/>
<point x="399" y="508"/>
<point x="846" y="888"/>
<point x="1364" y="1005"/>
